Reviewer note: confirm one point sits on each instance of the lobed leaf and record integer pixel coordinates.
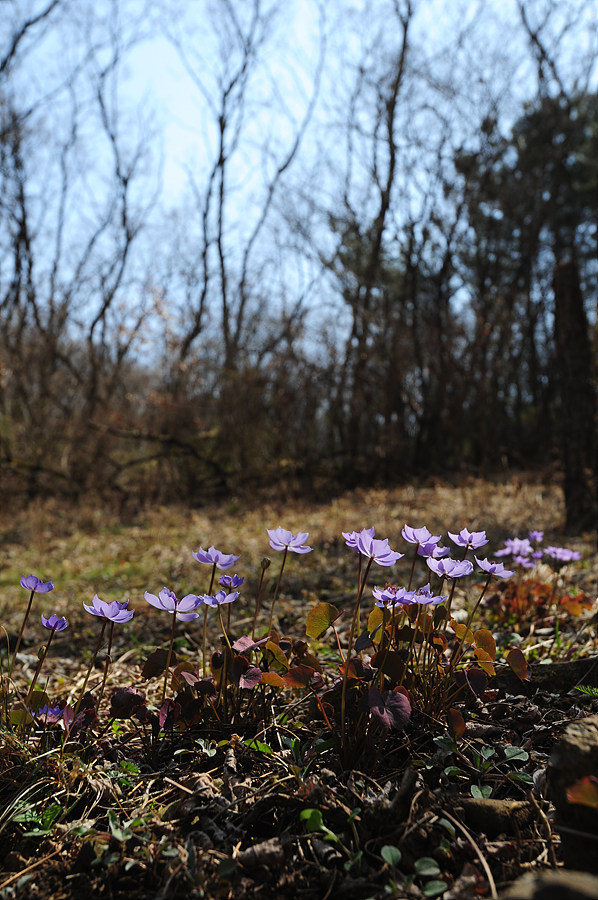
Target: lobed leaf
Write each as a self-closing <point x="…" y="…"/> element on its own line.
<point x="484" y="640"/>
<point x="319" y="619"/>
<point x="518" y="664"/>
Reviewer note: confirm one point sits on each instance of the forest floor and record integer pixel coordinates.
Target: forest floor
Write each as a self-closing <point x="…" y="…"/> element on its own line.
<point x="265" y="805"/>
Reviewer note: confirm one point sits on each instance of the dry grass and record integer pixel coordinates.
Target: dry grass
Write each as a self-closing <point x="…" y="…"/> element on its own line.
<point x="88" y="550"/>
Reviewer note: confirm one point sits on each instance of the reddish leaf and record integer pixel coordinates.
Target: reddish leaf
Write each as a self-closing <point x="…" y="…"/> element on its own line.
<point x="477" y="681"/>
<point x="456" y="722"/>
<point x="392" y="708"/>
<point x="125" y="702"/>
<point x="484" y="661"/>
<point x="170" y="712"/>
<point x="485" y="641"/>
<point x="363" y="642"/>
<point x="474" y="678"/>
<point x="184" y="674"/>
<point x="155" y="664"/>
<point x="245" y="643"/>
<point x="391" y="663"/>
<point x="250" y="678"/>
<point x="439" y="640"/>
<point x="518" y="663"/>
<point x="584" y="791"/>
<point x="302" y="677"/>
<point x="357" y="668"/>
<point x="272" y="679"/>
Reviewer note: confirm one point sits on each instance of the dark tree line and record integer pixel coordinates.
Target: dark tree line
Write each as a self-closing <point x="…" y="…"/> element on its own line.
<point x="408" y="286"/>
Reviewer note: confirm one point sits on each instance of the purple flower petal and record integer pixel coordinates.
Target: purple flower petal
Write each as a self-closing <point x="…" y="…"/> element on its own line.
<point x="419" y="535"/>
<point x="467" y="539"/>
<point x="351" y="536"/>
<point x="494" y="568"/>
<point x="54" y="622"/>
<point x="377" y="550"/>
<point x="215" y="557"/>
<point x="281" y="539"/>
<point x="450" y="568"/>
<point x="114" y="610"/>
<point x="33" y="583"/>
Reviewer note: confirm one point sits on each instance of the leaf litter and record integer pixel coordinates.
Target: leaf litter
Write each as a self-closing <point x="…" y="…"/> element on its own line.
<point x="450" y="808"/>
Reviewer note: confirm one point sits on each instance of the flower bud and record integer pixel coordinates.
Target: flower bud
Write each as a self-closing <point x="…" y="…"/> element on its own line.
<point x="265" y="563"/>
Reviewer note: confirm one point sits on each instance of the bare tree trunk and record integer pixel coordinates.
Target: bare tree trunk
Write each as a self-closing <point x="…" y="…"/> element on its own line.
<point x="578" y="397"/>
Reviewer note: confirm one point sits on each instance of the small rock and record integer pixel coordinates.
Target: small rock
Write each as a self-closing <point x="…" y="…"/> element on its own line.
<point x="555" y="885"/>
<point x="575" y="757"/>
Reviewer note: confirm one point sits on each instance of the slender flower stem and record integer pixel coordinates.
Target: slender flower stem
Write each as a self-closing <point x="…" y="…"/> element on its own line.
<point x="388" y="642"/>
<point x="222" y="626"/>
<point x="257" y="600"/>
<point x="91" y="665"/>
<point x="23" y="623"/>
<point x="39" y="667"/>
<point x="412" y="568"/>
<point x="360" y="590"/>
<point x="411" y="643"/>
<point x="169" y="657"/>
<point x="275" y="597"/>
<point x="205" y="625"/>
<point x="106" y="663"/>
<point x="458" y="649"/>
<point x="224" y="676"/>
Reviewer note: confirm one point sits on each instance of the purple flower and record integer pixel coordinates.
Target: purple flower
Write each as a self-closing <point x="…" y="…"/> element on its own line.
<point x="392" y="596"/>
<point x="493" y="568"/>
<point x="232" y="581"/>
<point x="432" y="549"/>
<point x="281" y="539"/>
<point x="54" y="622"/>
<point x="114" y="611"/>
<point x="425" y="596"/>
<point x="516" y="547"/>
<point x="467" y="539"/>
<point x="419" y="535"/>
<point x="523" y="561"/>
<point x="536" y="536"/>
<point x="49" y="715"/>
<point x="213" y="557"/>
<point x="375" y="549"/>
<point x="562" y="554"/>
<point x="183" y="609"/>
<point x="351" y="537"/>
<point x="450" y="568"/>
<point x="33" y="583"/>
<point x="219" y="598"/>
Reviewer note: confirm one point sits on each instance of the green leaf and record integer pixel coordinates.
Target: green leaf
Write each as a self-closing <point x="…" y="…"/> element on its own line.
<point x="448" y="826"/>
<point x="426" y="866"/>
<point x="434" y="888"/>
<point x="227" y="867"/>
<point x="512" y="753"/>
<point x="445" y="742"/>
<point x="453" y="770"/>
<point x="117" y="831"/>
<point x="482" y="792"/>
<point x="319" y="619"/>
<point x="314" y="822"/>
<point x="259" y="746"/>
<point x="487" y="752"/>
<point x="520" y="777"/>
<point x="391" y="855"/>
